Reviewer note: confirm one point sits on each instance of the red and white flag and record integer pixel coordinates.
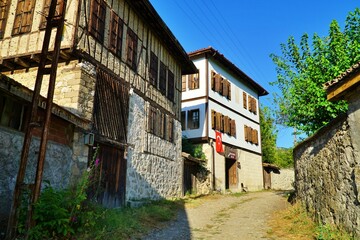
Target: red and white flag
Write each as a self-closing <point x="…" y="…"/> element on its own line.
<point x="219" y="147"/>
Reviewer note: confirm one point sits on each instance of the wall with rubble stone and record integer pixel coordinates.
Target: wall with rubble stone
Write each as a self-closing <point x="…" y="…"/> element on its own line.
<point x="154" y="165"/>
<point x="327" y="175"/>
<point x="283" y="180"/>
<point x="62" y="165"/>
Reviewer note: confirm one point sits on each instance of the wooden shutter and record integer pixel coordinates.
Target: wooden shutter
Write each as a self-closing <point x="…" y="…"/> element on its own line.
<point x="153" y="75"/>
<point x="246" y="133"/>
<point x="45" y="12"/>
<point x="131" y="54"/>
<point x="256" y="137"/>
<point x="183" y="120"/>
<point x="222" y="123"/>
<point x="116" y="31"/>
<point x="254" y="108"/>
<point x="213" y="119"/>
<point x="23" y="16"/>
<point x="225" y="90"/>
<point x="218" y="83"/>
<point x="170" y="129"/>
<point x="162" y="82"/>
<point x="97" y="19"/>
<point x="218" y="121"/>
<point x="4" y="10"/>
<point x="244" y="100"/>
<point x="152" y="120"/>
<point x="213" y="80"/>
<point x="191" y="81"/>
<point x="183" y="83"/>
<point x="229" y="90"/>
<point x="232" y="128"/>
<point x="250" y="103"/>
<point x="196" y="81"/>
<point x="170" y="88"/>
<point x="226" y="125"/>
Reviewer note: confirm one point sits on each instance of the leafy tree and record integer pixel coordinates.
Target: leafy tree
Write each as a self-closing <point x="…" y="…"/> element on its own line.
<point x="303" y="68"/>
<point x="194" y="150"/>
<point x="268" y="135"/>
<point x="284" y="157"/>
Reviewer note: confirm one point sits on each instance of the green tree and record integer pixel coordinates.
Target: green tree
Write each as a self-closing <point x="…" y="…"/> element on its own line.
<point x="268" y="135"/>
<point x="303" y="68"/>
<point x="284" y="157"/>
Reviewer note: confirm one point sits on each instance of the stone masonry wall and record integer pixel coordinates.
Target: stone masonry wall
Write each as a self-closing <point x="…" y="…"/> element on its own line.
<point x="154" y="165"/>
<point x="284" y="180"/>
<point x="328" y="176"/>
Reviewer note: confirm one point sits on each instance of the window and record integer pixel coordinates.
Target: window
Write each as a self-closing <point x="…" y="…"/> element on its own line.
<point x="162" y="83"/>
<point x="153" y="74"/>
<point x="131" y="46"/>
<point x="223" y="123"/>
<point x="194" y="81"/>
<point x="45" y="12"/>
<point x="170" y="92"/>
<point x="193" y="119"/>
<point x="4" y="9"/>
<point x="252" y="106"/>
<point x="116" y="33"/>
<point x="183" y="120"/>
<point x="23" y="16"/>
<point x="251" y="135"/>
<point x="245" y="100"/>
<point x="12" y="113"/>
<point x="220" y="85"/>
<point x="97" y="19"/>
<point x="183" y="83"/>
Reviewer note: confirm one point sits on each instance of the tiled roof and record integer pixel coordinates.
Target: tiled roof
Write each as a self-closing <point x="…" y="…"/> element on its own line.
<point x="352" y="70"/>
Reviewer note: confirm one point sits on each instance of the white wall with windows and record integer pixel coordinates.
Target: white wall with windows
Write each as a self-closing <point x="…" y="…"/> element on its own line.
<point x="199" y="90"/>
<point x="193" y="118"/>
<point x="237" y="89"/>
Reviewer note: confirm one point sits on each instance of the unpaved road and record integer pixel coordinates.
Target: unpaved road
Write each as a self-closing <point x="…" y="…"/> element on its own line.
<point x="224" y="217"/>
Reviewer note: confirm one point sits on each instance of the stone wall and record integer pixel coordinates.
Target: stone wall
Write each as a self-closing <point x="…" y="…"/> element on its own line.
<point x="284" y="180"/>
<point x="154" y="165"/>
<point x="61" y="165"/>
<point x="327" y="175"/>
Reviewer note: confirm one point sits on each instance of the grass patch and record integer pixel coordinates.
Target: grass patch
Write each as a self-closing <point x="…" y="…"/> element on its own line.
<point x="294" y="223"/>
<point x="126" y="223"/>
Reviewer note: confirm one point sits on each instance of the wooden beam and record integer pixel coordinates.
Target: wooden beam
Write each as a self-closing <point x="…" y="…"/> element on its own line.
<point x="21" y="62"/>
<point x="338" y="91"/>
<point x="35" y="57"/>
<point x="64" y="55"/>
<point x="7" y="64"/>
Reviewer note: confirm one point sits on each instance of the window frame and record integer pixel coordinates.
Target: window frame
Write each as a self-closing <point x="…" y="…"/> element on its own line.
<point x="131" y="49"/>
<point x="97" y="19"/>
<point x="191" y="116"/>
<point x="154" y="69"/>
<point x="45" y="12"/>
<point x="162" y="78"/>
<point x="22" y="15"/>
<point x="116" y="34"/>
<point x="4" y="12"/>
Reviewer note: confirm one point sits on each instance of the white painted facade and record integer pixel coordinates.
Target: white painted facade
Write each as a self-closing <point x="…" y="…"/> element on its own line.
<point x="249" y="160"/>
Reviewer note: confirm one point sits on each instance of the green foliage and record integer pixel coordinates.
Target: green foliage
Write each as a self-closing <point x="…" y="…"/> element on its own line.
<point x="194" y="150"/>
<point x="268" y="135"/>
<point x="284" y="157"/>
<point x="303" y="69"/>
<point x="60" y="213"/>
<point x="330" y="232"/>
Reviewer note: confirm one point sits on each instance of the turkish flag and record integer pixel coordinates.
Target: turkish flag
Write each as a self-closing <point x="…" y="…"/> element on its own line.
<point x="219" y="147"/>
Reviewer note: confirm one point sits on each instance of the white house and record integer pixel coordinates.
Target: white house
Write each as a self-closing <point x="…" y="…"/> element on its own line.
<point x="220" y="97"/>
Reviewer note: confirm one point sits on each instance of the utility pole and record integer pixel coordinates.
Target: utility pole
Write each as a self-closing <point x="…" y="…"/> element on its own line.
<point x="53" y="21"/>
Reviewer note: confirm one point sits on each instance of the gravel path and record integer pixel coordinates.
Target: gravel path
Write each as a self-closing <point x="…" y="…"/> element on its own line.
<point x="223" y="217"/>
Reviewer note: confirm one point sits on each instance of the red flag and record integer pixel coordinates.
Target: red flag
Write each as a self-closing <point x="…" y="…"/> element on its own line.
<point x="219" y="147"/>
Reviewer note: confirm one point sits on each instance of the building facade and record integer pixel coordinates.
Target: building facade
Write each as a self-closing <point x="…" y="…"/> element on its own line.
<point x="120" y="70"/>
<point x="221" y="98"/>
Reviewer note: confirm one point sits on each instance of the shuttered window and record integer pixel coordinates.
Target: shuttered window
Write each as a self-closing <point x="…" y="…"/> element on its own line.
<point x="116" y="34"/>
<point x="45" y="12"/>
<point x="251" y="135"/>
<point x="229" y="90"/>
<point x="4" y="9"/>
<point x="131" y="48"/>
<point x="162" y="125"/>
<point x="152" y="116"/>
<point x="170" y="89"/>
<point x="245" y="100"/>
<point x="162" y="80"/>
<point x="97" y="19"/>
<point x="220" y="85"/>
<point x="23" y="16"/>
<point x="213" y="119"/>
<point x="193" y="119"/>
<point x="183" y="83"/>
<point x="232" y="128"/>
<point x="194" y="81"/>
<point x="226" y="124"/>
<point x="12" y="113"/>
<point x="153" y="74"/>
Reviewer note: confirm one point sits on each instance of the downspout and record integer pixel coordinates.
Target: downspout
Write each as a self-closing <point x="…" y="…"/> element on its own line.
<point x="211" y="142"/>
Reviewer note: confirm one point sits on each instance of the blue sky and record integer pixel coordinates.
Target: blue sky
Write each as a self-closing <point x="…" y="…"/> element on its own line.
<point x="248" y="31"/>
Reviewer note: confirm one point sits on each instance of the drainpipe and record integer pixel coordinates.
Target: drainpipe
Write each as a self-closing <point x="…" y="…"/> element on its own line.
<point x="211" y="142"/>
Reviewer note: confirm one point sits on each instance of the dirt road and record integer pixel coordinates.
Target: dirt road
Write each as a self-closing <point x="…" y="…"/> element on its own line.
<point x="224" y="217"/>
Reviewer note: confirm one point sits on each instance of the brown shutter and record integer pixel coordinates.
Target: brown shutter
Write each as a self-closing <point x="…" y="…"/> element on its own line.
<point x="213" y="80"/>
<point x="213" y="119"/>
<point x="4" y="9"/>
<point x="183" y="83"/>
<point x="225" y="90"/>
<point x="170" y="130"/>
<point x="218" y="121"/>
<point x="217" y="83"/>
<point x="232" y="128"/>
<point x="254" y="107"/>
<point x="250" y="103"/>
<point x="197" y="81"/>
<point x="256" y="140"/>
<point x="244" y="100"/>
<point x="246" y="133"/>
<point x="226" y="124"/>
<point x="229" y="90"/>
